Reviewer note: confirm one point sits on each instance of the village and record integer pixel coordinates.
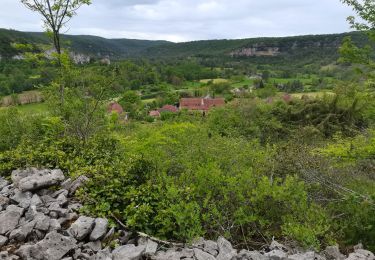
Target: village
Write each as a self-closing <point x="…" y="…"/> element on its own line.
<point x="202" y="105"/>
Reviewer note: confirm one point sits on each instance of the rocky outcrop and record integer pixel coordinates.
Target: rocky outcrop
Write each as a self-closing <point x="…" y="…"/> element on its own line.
<point x="79" y="58"/>
<point x="255" y="51"/>
<point x="39" y="221"/>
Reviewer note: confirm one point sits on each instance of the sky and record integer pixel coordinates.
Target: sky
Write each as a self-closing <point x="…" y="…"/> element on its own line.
<point x="189" y="20"/>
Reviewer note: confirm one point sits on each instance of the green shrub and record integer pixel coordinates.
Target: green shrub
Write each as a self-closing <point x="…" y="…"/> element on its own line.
<point x="175" y="182"/>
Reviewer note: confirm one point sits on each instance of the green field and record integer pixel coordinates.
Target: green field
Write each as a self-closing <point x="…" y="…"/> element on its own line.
<point x="30" y="109"/>
<point x="313" y="94"/>
<point x="245" y="82"/>
<point x="215" y="81"/>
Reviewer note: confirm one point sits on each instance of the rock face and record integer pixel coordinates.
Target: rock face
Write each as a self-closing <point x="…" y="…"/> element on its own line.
<point x="256" y="51"/>
<point x="38" y="223"/>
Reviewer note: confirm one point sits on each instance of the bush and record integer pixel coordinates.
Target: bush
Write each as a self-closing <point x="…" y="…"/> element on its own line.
<point x="176" y="183"/>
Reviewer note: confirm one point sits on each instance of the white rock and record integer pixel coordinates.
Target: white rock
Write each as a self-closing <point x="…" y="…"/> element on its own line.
<point x="276" y="253"/>
<point x="30" y="180"/>
<point x="226" y="251"/>
<point x="22" y="198"/>
<point x="151" y="247"/>
<point x="9" y="218"/>
<point x="333" y="253"/>
<point x="100" y="229"/>
<point x="3" y="241"/>
<point x="201" y="255"/>
<point x="53" y="247"/>
<point x="20" y="234"/>
<point x="128" y="252"/>
<point x="82" y="227"/>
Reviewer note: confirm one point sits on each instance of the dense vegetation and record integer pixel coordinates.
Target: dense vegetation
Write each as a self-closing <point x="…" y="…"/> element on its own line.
<point x="298" y="167"/>
<point x="300" y="170"/>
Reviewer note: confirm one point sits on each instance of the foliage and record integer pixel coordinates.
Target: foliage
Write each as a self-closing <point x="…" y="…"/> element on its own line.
<point x="364" y="9"/>
<point x="357" y="222"/>
<point x="55" y="13"/>
<point x="11" y="129"/>
<point x="351" y="150"/>
<point x="130" y="102"/>
<point x="278" y="121"/>
<point x="164" y="190"/>
<point x="361" y="55"/>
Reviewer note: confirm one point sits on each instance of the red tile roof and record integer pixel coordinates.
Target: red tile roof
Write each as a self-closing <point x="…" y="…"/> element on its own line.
<point x="115" y="107"/>
<point x="201" y="103"/>
<point x="154" y="113"/>
<point x="168" y="108"/>
<point x="287" y="98"/>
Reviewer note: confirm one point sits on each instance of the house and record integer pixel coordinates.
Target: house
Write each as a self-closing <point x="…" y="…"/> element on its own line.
<point x="115" y="107"/>
<point x="287" y="97"/>
<point x="154" y="113"/>
<point x="168" y="108"/>
<point x="201" y="104"/>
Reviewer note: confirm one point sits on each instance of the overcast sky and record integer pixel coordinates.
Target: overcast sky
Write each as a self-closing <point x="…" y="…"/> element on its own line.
<point x="186" y="20"/>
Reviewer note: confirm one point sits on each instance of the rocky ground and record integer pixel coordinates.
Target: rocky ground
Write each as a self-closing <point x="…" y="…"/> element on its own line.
<point x="40" y="221"/>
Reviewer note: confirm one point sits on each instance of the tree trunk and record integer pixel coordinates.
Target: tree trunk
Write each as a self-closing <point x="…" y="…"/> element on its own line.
<point x="56" y="43"/>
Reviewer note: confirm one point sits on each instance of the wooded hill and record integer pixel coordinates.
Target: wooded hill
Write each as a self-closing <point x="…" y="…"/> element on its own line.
<point x="299" y="47"/>
<point x="85" y="44"/>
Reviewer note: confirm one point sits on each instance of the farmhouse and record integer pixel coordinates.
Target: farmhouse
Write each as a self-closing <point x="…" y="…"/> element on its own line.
<point x="154" y="113"/>
<point x="115" y="107"/>
<point x="168" y="108"/>
<point x="201" y="104"/>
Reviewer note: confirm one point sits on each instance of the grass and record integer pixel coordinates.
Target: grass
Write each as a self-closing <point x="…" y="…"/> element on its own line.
<point x="284" y="81"/>
<point x="26" y="97"/>
<point x="30" y="109"/>
<point x="313" y="94"/>
<point x="215" y="81"/>
<point x="147" y="101"/>
<point x="192" y="84"/>
<point x="246" y="82"/>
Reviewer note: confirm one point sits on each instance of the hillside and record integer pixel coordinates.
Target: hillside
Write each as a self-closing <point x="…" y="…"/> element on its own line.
<point x="298" y="47"/>
<point x="85" y="44"/>
<point x="256" y="46"/>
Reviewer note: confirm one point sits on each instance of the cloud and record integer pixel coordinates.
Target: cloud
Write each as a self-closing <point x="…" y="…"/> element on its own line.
<point x="185" y="20"/>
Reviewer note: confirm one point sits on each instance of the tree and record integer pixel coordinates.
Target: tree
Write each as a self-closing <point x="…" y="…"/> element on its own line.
<point x="266" y="75"/>
<point x="131" y="102"/>
<point x="362" y="56"/>
<point x="86" y="95"/>
<point x="365" y="10"/>
<point x="56" y="14"/>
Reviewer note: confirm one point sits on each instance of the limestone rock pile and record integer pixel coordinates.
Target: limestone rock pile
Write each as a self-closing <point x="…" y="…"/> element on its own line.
<point x="39" y="220"/>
